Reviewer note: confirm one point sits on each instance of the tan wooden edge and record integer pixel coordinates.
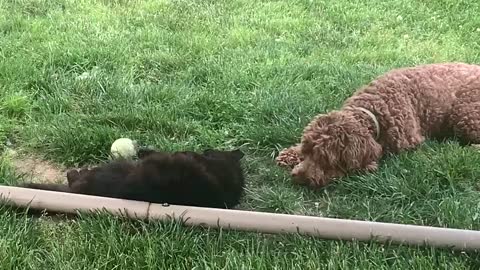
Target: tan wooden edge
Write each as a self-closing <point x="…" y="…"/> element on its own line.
<point x="326" y="228"/>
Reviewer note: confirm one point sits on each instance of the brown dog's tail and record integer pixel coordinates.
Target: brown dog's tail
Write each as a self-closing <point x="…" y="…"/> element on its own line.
<point x="44" y="186"/>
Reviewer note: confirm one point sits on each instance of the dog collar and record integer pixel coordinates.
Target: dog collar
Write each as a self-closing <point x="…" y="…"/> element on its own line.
<point x="374" y="119"/>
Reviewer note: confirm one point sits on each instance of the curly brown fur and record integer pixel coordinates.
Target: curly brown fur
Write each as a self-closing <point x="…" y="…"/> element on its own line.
<point x="210" y="179"/>
<point x="409" y="104"/>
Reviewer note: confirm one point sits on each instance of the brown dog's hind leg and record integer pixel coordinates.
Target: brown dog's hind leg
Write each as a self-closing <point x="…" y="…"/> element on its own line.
<point x="465" y="116"/>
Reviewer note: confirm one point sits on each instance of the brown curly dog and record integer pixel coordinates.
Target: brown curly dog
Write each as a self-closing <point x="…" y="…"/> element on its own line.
<point x="395" y="112"/>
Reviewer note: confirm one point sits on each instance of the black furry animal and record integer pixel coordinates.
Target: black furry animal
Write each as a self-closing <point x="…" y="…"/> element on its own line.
<point x="211" y="179"/>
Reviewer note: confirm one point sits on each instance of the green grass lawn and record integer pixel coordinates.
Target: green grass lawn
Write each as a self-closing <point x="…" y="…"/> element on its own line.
<point x="186" y="75"/>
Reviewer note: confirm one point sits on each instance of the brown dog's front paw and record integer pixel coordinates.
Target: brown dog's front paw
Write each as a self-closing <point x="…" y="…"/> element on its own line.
<point x="289" y="157"/>
<point x="371" y="167"/>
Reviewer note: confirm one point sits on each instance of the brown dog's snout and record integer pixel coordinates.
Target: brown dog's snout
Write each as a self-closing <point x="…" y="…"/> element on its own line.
<point x="298" y="175"/>
<point x="306" y="175"/>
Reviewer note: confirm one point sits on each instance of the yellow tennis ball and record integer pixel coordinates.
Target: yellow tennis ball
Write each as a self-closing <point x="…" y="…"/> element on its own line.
<point x="123" y="148"/>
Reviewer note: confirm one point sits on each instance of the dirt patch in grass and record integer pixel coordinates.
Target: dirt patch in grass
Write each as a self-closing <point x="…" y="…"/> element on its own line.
<point x="35" y="169"/>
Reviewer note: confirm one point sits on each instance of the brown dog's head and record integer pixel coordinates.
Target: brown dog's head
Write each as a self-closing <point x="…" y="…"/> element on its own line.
<point x="334" y="145"/>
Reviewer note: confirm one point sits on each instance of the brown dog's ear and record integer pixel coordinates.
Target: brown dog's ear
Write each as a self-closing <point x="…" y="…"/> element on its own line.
<point x="362" y="153"/>
<point x="326" y="150"/>
<point x="307" y="144"/>
<point x="316" y="131"/>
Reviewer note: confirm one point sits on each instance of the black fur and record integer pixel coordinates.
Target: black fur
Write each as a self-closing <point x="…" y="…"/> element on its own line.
<point x="211" y="179"/>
